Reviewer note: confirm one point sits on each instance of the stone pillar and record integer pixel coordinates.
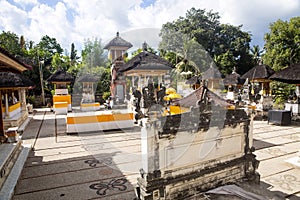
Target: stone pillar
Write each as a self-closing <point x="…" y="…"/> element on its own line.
<point x="132" y="81"/>
<point x="23" y="99"/>
<point x="159" y="81"/>
<point x="1" y="120"/>
<point x="149" y="183"/>
<point x="149" y="144"/>
<point x="19" y="94"/>
<point x="6" y="105"/>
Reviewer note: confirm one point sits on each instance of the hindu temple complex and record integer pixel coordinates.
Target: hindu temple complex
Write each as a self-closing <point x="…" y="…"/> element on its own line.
<point x="152" y="141"/>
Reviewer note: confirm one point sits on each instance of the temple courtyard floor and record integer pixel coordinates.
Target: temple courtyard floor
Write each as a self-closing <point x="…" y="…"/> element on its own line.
<point x="106" y="165"/>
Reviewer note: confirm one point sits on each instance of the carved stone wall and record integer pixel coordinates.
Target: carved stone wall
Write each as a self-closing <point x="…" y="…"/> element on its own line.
<point x="194" y="152"/>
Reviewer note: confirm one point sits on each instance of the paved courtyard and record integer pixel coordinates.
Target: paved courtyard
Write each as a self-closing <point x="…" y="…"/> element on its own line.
<point x="105" y="165"/>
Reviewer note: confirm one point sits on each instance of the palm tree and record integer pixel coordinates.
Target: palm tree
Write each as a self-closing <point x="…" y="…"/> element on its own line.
<point x="256" y="53"/>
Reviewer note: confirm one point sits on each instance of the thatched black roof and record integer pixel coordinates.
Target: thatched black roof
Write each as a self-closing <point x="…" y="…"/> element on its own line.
<point x="194" y="80"/>
<point x="290" y="74"/>
<point x="6" y="53"/>
<point x="119" y="42"/>
<point x="198" y="95"/>
<point x="147" y="61"/>
<point x="259" y="72"/>
<point x="211" y="73"/>
<point x="87" y="78"/>
<point x="233" y="79"/>
<point x="60" y="76"/>
<point x="11" y="80"/>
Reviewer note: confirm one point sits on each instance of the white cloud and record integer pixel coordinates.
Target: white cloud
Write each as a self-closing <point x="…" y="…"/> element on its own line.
<point x="73" y="21"/>
<point x="50" y="21"/>
<point x="12" y="18"/>
<point x="26" y="2"/>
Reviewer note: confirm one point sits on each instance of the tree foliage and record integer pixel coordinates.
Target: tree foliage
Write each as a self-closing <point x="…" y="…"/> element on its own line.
<point x="93" y="53"/>
<point x="228" y="44"/>
<point x="282" y="44"/>
<point x="282" y="48"/>
<point x="256" y="53"/>
<point x="10" y="42"/>
<point x="95" y="63"/>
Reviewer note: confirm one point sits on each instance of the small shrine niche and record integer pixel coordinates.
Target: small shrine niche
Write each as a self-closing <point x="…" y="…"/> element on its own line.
<point x="88" y="95"/>
<point x="61" y="88"/>
<point x="62" y="101"/>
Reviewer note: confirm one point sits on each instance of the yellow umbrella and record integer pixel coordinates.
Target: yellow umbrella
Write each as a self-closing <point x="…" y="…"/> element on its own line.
<point x="172" y="96"/>
<point x="170" y="91"/>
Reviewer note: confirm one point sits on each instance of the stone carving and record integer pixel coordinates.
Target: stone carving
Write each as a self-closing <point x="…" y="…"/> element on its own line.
<point x="287" y="182"/>
<point x="95" y="162"/>
<point x="114" y="184"/>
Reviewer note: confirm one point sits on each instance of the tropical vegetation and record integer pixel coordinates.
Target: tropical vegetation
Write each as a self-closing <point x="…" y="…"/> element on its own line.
<point x="226" y="45"/>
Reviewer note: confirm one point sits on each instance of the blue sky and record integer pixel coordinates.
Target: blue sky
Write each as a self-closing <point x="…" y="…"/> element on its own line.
<point x="146" y="3"/>
<point x="74" y="20"/>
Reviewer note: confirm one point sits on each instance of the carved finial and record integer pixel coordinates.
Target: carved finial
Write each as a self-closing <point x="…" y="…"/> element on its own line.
<point x="234" y="69"/>
<point x="145" y="46"/>
<point x="118" y="34"/>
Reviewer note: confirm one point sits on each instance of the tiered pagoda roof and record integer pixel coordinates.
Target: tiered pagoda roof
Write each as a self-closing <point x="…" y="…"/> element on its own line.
<point x="118" y="42"/>
<point x="147" y="61"/>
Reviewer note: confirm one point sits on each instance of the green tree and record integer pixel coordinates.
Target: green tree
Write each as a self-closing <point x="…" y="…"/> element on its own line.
<point x="93" y="53"/>
<point x="282" y="49"/>
<point x="47" y="48"/>
<point x="10" y="42"/>
<point x="42" y="54"/>
<point x="228" y="43"/>
<point x="73" y="55"/>
<point x="60" y="62"/>
<point x="22" y="42"/>
<point x="256" y="53"/>
<point x="95" y="62"/>
<point x="282" y="44"/>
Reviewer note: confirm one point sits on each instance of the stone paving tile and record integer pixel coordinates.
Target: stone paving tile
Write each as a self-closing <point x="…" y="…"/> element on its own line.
<point x="102" y="137"/>
<point x="122" y="162"/>
<point x="275" y="151"/>
<point x="50" y="143"/>
<point x="30" y="133"/>
<point x="275" y="133"/>
<point x="38" y="160"/>
<point x="276" y="144"/>
<point x="67" y="138"/>
<point x="68" y="178"/>
<point x="262" y="127"/>
<point x="282" y="139"/>
<point x="61" y="167"/>
<point x="287" y="182"/>
<point x="274" y="166"/>
<point x="57" y="169"/>
<point x="56" y="151"/>
<point x="91" y="190"/>
<point x="48" y="127"/>
<point x="64" y="162"/>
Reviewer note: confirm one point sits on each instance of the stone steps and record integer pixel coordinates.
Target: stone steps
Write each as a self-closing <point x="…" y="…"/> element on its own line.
<point x="12" y="159"/>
